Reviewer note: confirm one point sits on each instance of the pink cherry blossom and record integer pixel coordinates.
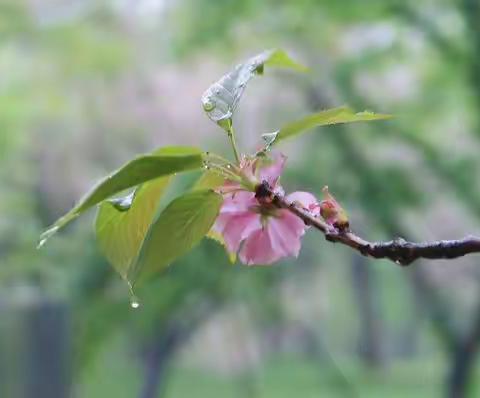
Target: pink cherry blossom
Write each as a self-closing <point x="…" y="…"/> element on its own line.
<point x="259" y="232"/>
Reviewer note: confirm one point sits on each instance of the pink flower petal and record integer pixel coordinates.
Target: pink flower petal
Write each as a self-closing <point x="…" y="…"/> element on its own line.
<point x="279" y="238"/>
<point x="235" y="204"/>
<point x="238" y="202"/>
<point x="238" y="228"/>
<point x="285" y="232"/>
<point x="240" y="222"/>
<point x="220" y="222"/>
<point x="306" y="200"/>
<point x="271" y="173"/>
<point x="258" y="250"/>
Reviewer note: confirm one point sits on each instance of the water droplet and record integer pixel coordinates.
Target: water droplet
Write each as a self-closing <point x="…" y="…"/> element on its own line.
<point x="228" y="166"/>
<point x="134" y="303"/>
<point x="208" y="105"/>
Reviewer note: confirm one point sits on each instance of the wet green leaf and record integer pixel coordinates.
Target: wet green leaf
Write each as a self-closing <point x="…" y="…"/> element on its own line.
<point x="162" y="162"/>
<point x="122" y="224"/>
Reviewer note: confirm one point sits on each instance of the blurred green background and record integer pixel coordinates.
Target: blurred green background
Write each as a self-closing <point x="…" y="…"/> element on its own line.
<point x="85" y="85"/>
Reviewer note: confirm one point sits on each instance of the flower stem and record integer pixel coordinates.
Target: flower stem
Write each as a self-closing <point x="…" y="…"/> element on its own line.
<point x="231" y="136"/>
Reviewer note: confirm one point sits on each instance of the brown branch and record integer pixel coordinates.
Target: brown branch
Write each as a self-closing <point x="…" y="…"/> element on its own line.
<point x="397" y="250"/>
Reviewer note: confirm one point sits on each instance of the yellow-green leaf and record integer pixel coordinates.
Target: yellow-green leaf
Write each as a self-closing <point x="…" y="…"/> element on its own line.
<point x="211" y="180"/>
<point x="179" y="228"/>
<point x="208" y="180"/>
<point x="121" y="226"/>
<point x="343" y="114"/>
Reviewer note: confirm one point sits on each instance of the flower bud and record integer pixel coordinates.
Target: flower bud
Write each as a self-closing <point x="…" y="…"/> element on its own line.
<point x="332" y="212"/>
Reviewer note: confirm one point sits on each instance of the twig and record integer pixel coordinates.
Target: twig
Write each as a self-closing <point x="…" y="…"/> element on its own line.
<point x="397" y="250"/>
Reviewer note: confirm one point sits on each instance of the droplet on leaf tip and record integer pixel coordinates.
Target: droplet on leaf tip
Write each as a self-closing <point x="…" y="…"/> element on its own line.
<point x="134" y="302"/>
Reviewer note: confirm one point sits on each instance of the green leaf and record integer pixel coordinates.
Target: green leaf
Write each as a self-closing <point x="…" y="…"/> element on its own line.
<point x="221" y="99"/>
<point x="232" y="256"/>
<point x="280" y="59"/>
<point x="162" y="162"/>
<point x="343" y="114"/>
<point x="179" y="228"/>
<point x="122" y="224"/>
<point x="208" y="180"/>
<point x="211" y="180"/>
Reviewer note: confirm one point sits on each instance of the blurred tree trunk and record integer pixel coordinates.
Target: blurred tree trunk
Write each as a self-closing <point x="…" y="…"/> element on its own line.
<point x="371" y="336"/>
<point x="463" y="361"/>
<point x="35" y="341"/>
<point x="156" y="360"/>
<point x="48" y="340"/>
<point x="168" y="338"/>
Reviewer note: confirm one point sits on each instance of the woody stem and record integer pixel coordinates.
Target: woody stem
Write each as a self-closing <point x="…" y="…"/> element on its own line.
<point x="397" y="250"/>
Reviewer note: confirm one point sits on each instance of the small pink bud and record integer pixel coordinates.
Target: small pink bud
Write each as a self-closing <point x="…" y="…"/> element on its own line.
<point x="332" y="212"/>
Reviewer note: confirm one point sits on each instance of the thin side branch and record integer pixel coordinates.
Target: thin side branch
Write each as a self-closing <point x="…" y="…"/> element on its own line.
<point x="397" y="250"/>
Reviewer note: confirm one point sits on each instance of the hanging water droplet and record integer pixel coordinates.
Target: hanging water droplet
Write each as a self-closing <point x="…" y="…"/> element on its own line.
<point x="134" y="303"/>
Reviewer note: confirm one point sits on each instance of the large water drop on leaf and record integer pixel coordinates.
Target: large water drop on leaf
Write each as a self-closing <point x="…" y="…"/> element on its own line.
<point x="221" y="98"/>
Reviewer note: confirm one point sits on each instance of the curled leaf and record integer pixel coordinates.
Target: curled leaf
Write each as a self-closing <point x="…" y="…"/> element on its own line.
<point x="221" y="98"/>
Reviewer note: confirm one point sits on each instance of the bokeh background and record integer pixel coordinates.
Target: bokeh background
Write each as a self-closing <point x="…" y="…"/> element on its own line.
<point x="85" y="85"/>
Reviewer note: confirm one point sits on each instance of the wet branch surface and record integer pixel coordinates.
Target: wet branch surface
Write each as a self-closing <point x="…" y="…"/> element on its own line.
<point x="398" y="250"/>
